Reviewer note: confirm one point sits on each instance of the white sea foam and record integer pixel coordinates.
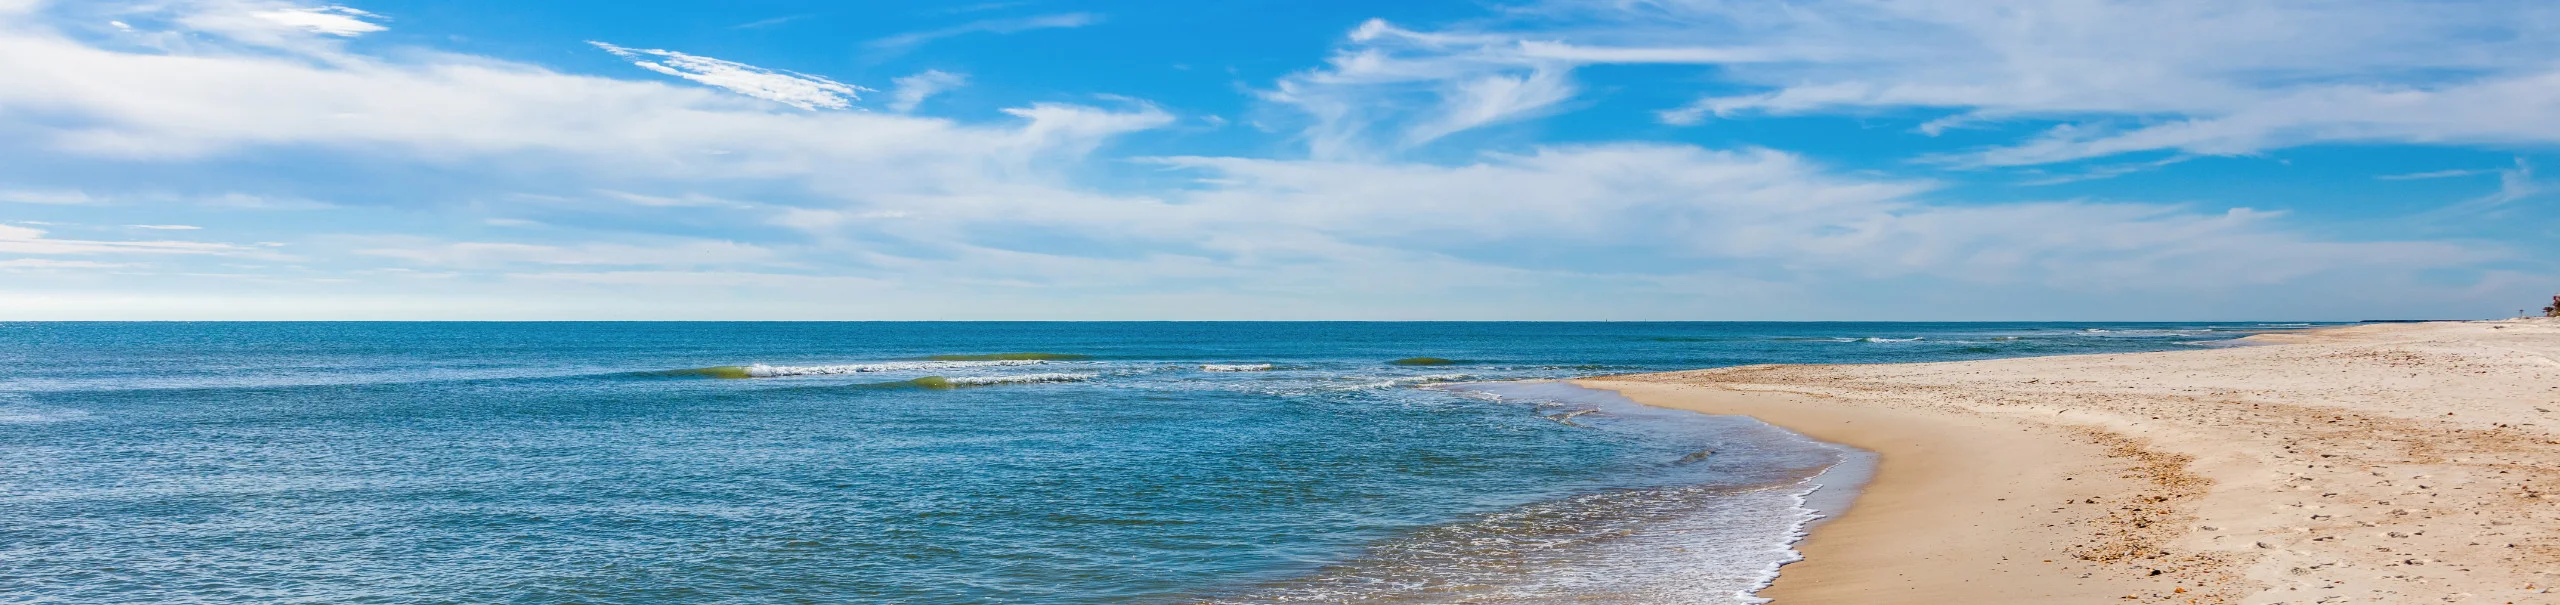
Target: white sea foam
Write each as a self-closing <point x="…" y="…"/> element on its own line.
<point x="1876" y="339"/>
<point x="1018" y="379"/>
<point x="1406" y="381"/>
<point x="766" y="371"/>
<point x="1677" y="545"/>
<point x="19" y="415"/>
<point x="2147" y="333"/>
<point x="1716" y="543"/>
<point x="1239" y="367"/>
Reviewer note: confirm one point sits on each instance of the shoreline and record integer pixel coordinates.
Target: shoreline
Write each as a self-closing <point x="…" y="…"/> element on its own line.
<point x="2257" y="474"/>
<point x="1926" y="525"/>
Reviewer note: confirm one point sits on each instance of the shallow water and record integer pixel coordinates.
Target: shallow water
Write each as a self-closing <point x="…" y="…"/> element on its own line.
<point x="1136" y="462"/>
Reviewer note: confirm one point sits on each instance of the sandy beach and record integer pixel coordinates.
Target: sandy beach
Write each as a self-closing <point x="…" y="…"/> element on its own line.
<point x="2392" y="463"/>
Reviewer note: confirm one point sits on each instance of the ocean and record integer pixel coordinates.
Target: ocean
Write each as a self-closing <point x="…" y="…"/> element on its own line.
<point x="971" y="462"/>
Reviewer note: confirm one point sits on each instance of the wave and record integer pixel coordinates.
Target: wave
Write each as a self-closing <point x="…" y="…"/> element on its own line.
<point x="1011" y="357"/>
<point x="1017" y="379"/>
<point x="1238" y="367"/>
<point x="1713" y="545"/>
<point x="954" y="382"/>
<point x="769" y="371"/>
<point x="1877" y="339"/>
<point x="35" y="416"/>
<point x="2154" y="332"/>
<point x="1406" y="381"/>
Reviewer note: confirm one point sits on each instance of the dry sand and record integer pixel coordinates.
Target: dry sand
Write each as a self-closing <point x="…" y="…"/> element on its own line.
<point x="2399" y="463"/>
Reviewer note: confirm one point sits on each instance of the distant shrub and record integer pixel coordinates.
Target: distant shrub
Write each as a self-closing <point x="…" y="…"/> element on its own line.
<point x="2554" y="309"/>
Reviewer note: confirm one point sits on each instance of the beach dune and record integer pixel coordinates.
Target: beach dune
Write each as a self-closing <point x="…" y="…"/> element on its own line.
<point x="2398" y="463"/>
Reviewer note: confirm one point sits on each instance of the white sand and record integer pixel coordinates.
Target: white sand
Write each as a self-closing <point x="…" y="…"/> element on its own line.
<point x="2399" y="463"/>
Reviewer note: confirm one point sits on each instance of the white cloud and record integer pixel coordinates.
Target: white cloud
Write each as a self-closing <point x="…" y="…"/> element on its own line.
<point x="2433" y="174"/>
<point x="293" y="26"/>
<point x="1616" y="205"/>
<point x="29" y="240"/>
<point x="912" y="90"/>
<point x="2194" y="76"/>
<point x="331" y="20"/>
<point x="2102" y="172"/>
<point x="926" y="217"/>
<point x="485" y="254"/>
<point x="77" y="99"/>
<point x="1390" y="88"/>
<point x="689" y="200"/>
<point x="694" y="279"/>
<point x="909" y="41"/>
<point x="62" y="197"/>
<point x="764" y="23"/>
<point x="78" y="197"/>
<point x="166" y="227"/>
<point x="789" y="88"/>
<point x="2513" y="184"/>
<point x="47" y="264"/>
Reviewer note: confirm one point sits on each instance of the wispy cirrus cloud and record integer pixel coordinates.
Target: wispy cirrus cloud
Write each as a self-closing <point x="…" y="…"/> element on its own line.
<point x="47" y="264"/>
<point x="79" y="197"/>
<point x="29" y="240"/>
<point x="912" y="90"/>
<point x="59" y="197"/>
<point x="2432" y="174"/>
<point x="1390" y="88"/>
<point x="682" y="253"/>
<point x="2514" y="184"/>
<point x="901" y="43"/>
<point x="2195" y="77"/>
<point x="789" y="88"/>
<point x="764" y="23"/>
<point x="2191" y="76"/>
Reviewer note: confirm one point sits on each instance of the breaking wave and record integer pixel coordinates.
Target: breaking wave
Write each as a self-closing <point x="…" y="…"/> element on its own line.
<point x="1237" y="367"/>
<point x="1012" y="357"/>
<point x="955" y="382"/>
<point x="967" y="381"/>
<point x="1689" y="545"/>
<point x="769" y="371"/>
<point x="1406" y="381"/>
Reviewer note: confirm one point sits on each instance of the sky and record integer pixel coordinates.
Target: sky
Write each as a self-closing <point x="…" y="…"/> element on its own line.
<point x="1532" y="160"/>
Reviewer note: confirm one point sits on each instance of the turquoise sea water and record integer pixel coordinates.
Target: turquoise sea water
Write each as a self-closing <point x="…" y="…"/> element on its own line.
<point x="819" y="463"/>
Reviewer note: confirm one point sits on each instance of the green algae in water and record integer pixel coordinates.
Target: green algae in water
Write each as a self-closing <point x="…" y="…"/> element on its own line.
<point x="928" y="382"/>
<point x="1423" y="361"/>
<point x="1012" y="357"/>
<point x="724" y="372"/>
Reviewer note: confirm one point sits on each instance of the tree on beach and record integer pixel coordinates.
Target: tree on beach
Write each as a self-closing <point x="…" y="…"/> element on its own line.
<point x="2554" y="309"/>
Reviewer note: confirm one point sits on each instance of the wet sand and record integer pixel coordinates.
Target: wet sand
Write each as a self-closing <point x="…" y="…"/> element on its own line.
<point x="2399" y="463"/>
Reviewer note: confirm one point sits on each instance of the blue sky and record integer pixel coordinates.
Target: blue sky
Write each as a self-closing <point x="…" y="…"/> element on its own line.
<point x="1697" y="159"/>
